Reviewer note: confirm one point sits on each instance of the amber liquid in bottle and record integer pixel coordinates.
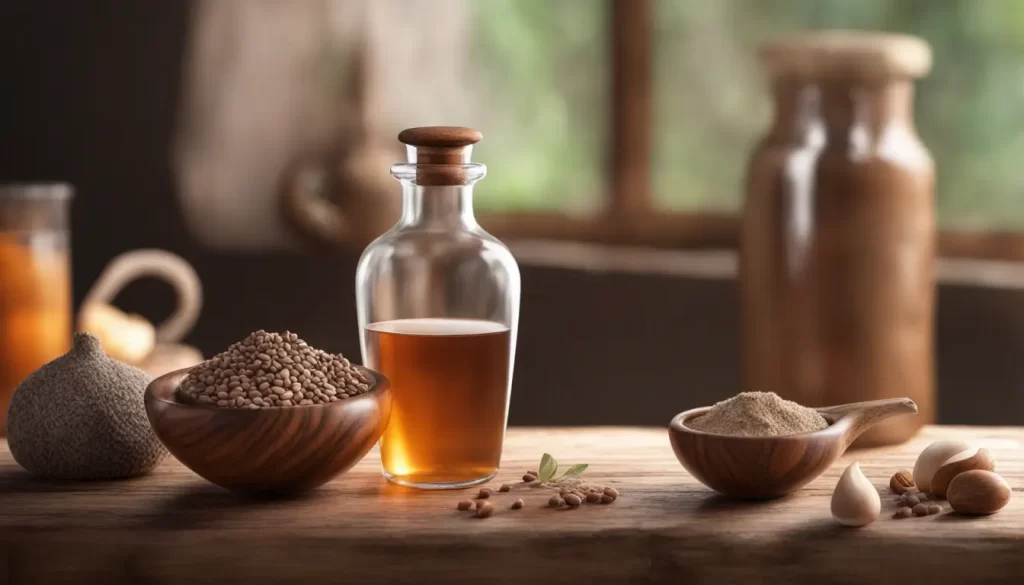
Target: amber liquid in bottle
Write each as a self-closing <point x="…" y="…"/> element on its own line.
<point x="450" y="387"/>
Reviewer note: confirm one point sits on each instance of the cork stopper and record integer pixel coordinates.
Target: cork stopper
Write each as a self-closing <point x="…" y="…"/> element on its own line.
<point x="439" y="145"/>
<point x="441" y="154"/>
<point x="856" y="55"/>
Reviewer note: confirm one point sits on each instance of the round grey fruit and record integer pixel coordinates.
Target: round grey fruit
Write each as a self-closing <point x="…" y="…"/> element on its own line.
<point x="82" y="416"/>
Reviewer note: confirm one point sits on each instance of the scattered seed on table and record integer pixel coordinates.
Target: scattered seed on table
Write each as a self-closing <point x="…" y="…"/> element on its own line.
<point x="465" y="505"/>
<point x="529" y="477"/>
<point x="606" y="499"/>
<point x="517" y="504"/>
<point x="934" y="509"/>
<point x="556" y="502"/>
<point x="573" y="500"/>
<point x="505" y="488"/>
<point x="563" y="492"/>
<point x="610" y="491"/>
<point x="484" y="493"/>
<point x="912" y="501"/>
<point x="920" y="510"/>
<point x="903" y="512"/>
<point x="593" y="498"/>
<point x="480" y="504"/>
<point x="533" y="473"/>
<point x="485" y="510"/>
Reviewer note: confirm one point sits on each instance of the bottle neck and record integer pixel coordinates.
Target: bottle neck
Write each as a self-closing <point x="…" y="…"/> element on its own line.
<point x="797" y="111"/>
<point x="448" y="207"/>
<point x="860" y="113"/>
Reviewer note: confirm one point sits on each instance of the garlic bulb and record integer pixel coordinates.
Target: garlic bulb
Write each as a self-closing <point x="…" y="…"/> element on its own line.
<point x="855" y="501"/>
<point x="932" y="458"/>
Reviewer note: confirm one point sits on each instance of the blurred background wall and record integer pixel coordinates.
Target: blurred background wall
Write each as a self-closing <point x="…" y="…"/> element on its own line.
<point x="95" y="94"/>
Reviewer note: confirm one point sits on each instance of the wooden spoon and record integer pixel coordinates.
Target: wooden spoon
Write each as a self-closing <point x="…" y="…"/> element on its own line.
<point x="770" y="467"/>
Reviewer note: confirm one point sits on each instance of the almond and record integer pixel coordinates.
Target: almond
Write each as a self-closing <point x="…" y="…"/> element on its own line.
<point x="902" y="481"/>
<point x="978" y="492"/>
<point x="968" y="460"/>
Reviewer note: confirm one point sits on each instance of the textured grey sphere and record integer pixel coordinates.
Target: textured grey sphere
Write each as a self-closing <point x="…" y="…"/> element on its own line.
<point x="82" y="416"/>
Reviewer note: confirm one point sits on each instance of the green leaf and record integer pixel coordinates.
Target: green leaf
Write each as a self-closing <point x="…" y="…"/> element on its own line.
<point x="548" y="467"/>
<point x="575" y="471"/>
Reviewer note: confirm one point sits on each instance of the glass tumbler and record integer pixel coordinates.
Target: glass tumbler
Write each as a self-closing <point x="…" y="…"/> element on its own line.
<point x="35" y="282"/>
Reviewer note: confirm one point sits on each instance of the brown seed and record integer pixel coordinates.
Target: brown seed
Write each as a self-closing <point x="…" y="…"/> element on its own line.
<point x="573" y="500"/>
<point x="606" y="499"/>
<point x="920" y="510"/>
<point x="517" y="504"/>
<point x="555" y="502"/>
<point x="505" y="488"/>
<point x="529" y="477"/>
<point x="485" y="510"/>
<point x="484" y="493"/>
<point x="465" y="505"/>
<point x="593" y="498"/>
<point x="911" y="501"/>
<point x="533" y="473"/>
<point x="480" y="504"/>
<point x="563" y="492"/>
<point x="610" y="491"/>
<point x="903" y="512"/>
<point x="934" y="509"/>
<point x="902" y="481"/>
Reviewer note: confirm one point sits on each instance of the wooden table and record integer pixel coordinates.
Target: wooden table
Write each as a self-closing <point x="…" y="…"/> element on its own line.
<point x="172" y="527"/>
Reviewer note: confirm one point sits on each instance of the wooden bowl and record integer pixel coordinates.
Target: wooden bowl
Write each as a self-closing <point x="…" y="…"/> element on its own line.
<point x="770" y="467"/>
<point x="279" y="450"/>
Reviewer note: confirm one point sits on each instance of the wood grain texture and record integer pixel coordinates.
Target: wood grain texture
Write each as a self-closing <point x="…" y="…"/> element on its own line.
<point x="771" y="467"/>
<point x="173" y="527"/>
<point x="280" y="450"/>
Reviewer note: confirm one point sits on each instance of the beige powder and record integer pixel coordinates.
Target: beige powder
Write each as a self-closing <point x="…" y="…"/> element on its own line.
<point x="758" y="414"/>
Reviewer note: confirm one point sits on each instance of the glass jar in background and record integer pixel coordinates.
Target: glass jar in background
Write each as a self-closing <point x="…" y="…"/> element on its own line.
<point x="438" y="304"/>
<point x="838" y="238"/>
<point x="35" y="282"/>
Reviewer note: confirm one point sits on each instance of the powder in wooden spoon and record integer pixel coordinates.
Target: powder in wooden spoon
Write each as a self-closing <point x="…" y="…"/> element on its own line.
<point x="758" y="414"/>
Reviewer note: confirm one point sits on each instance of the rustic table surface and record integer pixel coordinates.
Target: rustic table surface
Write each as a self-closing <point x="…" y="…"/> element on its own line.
<point x="173" y="527"/>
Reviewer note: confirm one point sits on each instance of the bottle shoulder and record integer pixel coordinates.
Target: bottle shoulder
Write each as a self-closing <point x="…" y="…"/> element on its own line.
<point x="463" y="246"/>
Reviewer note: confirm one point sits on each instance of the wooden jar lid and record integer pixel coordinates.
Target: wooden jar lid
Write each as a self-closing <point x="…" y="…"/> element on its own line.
<point x="848" y="54"/>
<point x="440" y="152"/>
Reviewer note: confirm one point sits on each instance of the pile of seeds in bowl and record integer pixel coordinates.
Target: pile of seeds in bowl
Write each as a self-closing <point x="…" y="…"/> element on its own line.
<point x="273" y="369"/>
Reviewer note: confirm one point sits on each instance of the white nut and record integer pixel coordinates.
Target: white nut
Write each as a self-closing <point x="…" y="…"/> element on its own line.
<point x="855" y="501"/>
<point x="932" y="458"/>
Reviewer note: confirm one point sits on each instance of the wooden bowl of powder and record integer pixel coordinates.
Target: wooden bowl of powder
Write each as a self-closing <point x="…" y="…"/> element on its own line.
<point x="757" y="445"/>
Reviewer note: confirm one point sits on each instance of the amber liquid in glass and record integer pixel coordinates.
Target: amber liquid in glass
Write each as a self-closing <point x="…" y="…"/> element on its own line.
<point x="35" y="307"/>
<point x="450" y="384"/>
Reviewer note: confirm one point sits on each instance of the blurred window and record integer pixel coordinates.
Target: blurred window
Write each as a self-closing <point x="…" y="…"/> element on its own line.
<point x="661" y="160"/>
<point x="539" y="73"/>
<point x="710" y="101"/>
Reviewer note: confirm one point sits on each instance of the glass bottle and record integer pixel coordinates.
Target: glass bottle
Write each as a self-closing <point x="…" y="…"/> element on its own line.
<point x="838" y="239"/>
<point x="438" y="306"/>
<point x="35" y="282"/>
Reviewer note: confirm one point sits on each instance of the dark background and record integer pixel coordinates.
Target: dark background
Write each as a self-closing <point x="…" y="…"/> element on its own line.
<point x="89" y="94"/>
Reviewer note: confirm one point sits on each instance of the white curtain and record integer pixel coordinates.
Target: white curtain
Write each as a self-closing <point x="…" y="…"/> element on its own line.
<point x="267" y="80"/>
